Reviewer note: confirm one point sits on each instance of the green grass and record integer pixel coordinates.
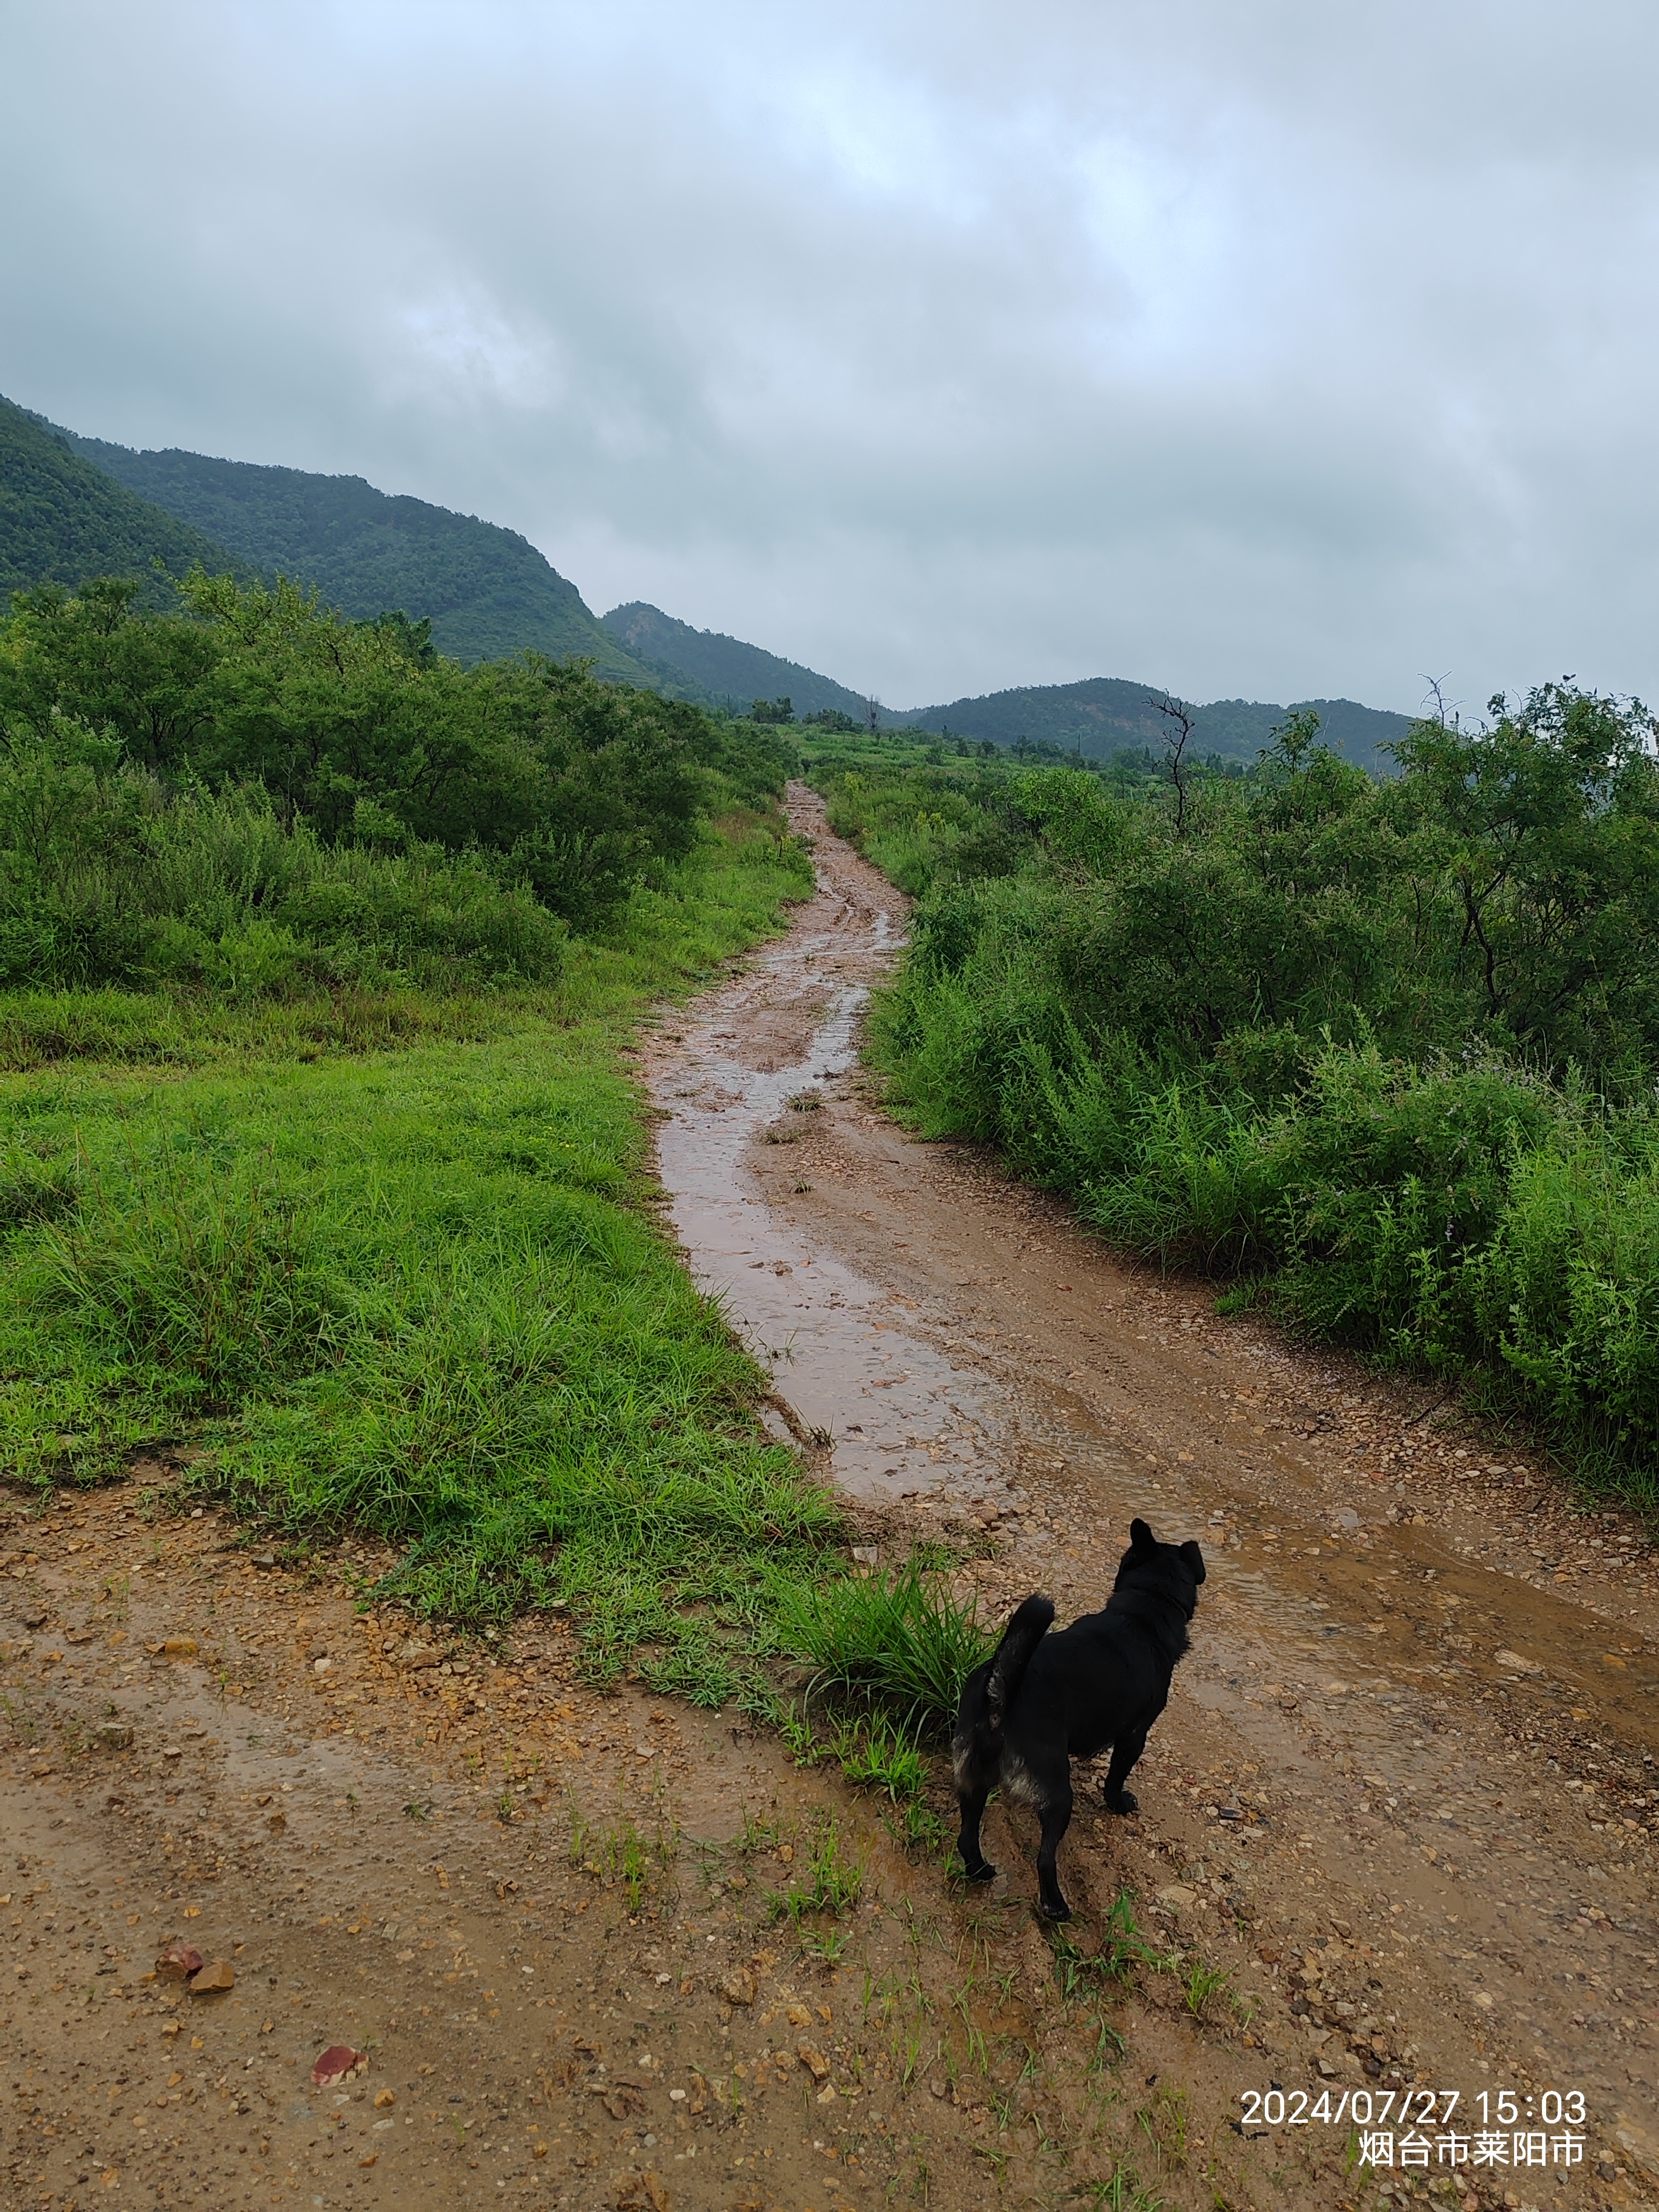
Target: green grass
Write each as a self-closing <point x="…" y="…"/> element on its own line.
<point x="1124" y="2192"/>
<point x="416" y="1290"/>
<point x="890" y="1653"/>
<point x="833" y="1882"/>
<point x="388" y="1265"/>
<point x="898" y="1638"/>
<point x="1121" y="1948"/>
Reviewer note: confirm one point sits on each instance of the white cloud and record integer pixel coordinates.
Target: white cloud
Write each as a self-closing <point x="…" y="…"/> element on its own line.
<point x="1270" y="350"/>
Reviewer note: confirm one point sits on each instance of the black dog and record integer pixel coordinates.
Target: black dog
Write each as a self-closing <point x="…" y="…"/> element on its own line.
<point x="1042" y="1700"/>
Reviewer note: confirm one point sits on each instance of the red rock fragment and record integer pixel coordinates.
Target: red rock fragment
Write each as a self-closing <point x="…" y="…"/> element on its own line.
<point x="336" y="2063"/>
<point x="178" y="1962"/>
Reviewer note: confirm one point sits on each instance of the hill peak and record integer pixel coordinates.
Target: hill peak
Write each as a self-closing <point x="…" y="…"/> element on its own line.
<point x="725" y="668"/>
<point x="63" y="518"/>
<point x="487" y="590"/>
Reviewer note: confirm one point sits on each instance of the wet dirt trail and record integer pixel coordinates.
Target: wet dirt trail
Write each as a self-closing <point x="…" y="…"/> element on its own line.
<point x="601" y="1950"/>
<point x="1419" y="1725"/>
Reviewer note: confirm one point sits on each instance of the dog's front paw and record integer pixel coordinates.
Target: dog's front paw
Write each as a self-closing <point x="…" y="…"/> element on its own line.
<point x="983" y="1872"/>
<point x="1056" y="1909"/>
<point x="1120" y="1801"/>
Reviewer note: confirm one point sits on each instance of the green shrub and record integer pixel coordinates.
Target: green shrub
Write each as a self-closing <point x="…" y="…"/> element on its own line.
<point x="109" y="878"/>
<point x="1386" y="1053"/>
<point x="518" y="773"/>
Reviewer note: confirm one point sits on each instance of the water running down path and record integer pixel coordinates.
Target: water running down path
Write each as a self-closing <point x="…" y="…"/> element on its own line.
<point x="751" y="1066"/>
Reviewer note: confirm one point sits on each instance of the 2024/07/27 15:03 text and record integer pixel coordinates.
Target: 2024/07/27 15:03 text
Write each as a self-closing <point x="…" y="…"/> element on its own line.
<point x="1515" y="2128"/>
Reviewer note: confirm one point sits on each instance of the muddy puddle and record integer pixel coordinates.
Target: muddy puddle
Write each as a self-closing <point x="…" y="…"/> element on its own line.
<point x="752" y="1066"/>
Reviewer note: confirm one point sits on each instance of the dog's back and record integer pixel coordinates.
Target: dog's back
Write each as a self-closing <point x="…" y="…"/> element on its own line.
<point x="1105" y="1674"/>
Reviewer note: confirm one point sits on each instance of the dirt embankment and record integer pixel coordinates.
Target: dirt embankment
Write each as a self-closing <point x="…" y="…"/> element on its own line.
<point x="612" y="1951"/>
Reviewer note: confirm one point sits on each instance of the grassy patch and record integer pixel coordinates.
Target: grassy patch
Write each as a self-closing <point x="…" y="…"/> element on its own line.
<point x="889" y="1654"/>
<point x="415" y="1291"/>
<point x="830" y="1885"/>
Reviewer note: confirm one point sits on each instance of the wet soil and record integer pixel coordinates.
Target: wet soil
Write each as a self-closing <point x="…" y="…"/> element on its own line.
<point x="1420" y="1713"/>
<point x="1404" y="1797"/>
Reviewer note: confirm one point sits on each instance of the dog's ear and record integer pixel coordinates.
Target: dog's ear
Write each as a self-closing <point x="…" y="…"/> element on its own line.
<point x="1141" y="1538"/>
<point x="1195" y="1559"/>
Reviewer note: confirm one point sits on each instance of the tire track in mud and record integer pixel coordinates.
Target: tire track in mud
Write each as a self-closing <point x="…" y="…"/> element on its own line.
<point x="1419" y="1714"/>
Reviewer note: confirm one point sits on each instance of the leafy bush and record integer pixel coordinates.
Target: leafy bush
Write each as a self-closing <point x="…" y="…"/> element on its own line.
<point x="108" y="876"/>
<point x="576" y="789"/>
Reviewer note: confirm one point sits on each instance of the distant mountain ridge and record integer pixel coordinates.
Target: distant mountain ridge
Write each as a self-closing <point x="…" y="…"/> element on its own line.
<point x="73" y="506"/>
<point x="1096" y="717"/>
<point x="487" y="590"/>
<point x="1104" y="713"/>
<point x="727" y="669"/>
<point x="63" y="519"/>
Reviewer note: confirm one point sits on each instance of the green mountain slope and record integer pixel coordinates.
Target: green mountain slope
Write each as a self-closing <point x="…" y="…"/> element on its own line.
<point x="72" y="507"/>
<point x="724" y="667"/>
<point x="1096" y="717"/>
<point x="487" y="590"/>
<point x="62" y="520"/>
<point x="1105" y="713"/>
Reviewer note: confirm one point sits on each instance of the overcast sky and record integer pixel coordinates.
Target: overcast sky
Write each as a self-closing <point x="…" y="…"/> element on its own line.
<point x="1270" y="348"/>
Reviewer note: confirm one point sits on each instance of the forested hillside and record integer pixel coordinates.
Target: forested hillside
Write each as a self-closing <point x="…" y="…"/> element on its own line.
<point x="486" y="590"/>
<point x="1098" y="717"/>
<point x="1106" y="714"/>
<point x="729" y="671"/>
<point x="62" y="521"/>
<point x="73" y="507"/>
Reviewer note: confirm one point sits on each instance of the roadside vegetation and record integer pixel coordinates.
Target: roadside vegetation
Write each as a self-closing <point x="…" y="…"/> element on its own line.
<point x="322" y="1167"/>
<point x="1380" y="1055"/>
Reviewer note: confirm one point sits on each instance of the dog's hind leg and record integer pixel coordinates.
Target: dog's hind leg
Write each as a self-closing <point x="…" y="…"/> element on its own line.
<point x="975" y="1863"/>
<point x="1125" y="1752"/>
<point x="1056" y="1818"/>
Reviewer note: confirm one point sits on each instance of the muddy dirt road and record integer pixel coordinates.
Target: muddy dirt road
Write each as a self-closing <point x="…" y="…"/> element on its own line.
<point x="1403" y="1800"/>
<point x="1420" y="1713"/>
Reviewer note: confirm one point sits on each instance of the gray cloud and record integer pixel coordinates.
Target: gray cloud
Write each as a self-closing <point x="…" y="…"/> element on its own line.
<point x="1276" y="351"/>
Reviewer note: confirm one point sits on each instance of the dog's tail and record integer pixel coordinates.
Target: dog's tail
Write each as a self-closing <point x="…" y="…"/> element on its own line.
<point x="1020" y="1639"/>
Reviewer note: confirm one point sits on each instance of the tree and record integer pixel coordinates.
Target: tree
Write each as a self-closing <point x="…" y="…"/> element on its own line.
<point x="1179" y="717"/>
<point x="359" y="733"/>
<point x="1547" y="819"/>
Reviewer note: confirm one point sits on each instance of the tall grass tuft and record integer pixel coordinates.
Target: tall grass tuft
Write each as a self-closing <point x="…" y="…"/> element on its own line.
<point x="899" y="1638"/>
